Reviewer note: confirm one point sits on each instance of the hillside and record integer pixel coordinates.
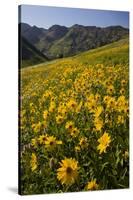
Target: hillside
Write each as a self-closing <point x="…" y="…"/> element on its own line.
<point x="75" y="112"/>
<point x="29" y="55"/>
<point x="31" y="33"/>
<point x="60" y="41"/>
<point x="111" y="54"/>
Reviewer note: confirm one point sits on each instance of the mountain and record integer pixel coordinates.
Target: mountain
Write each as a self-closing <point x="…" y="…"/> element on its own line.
<point x="29" y="55"/>
<point x="53" y="34"/>
<point x="32" y="33"/>
<point x="60" y="41"/>
<point x="81" y="38"/>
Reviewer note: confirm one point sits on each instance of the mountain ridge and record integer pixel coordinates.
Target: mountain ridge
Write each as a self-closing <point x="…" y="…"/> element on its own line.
<point x="29" y="55"/>
<point x="61" y="41"/>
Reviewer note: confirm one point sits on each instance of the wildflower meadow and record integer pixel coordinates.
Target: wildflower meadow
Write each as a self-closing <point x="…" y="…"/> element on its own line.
<point x="74" y="123"/>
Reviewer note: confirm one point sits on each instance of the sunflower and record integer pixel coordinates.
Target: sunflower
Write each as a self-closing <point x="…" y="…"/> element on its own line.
<point x="120" y="119"/>
<point x="51" y="142"/>
<point x="62" y="109"/>
<point x="122" y="91"/>
<point x="59" y="119"/>
<point x="98" y="111"/>
<point x="33" y="162"/>
<point x="74" y="132"/>
<point x="122" y="103"/>
<point x="91" y="105"/>
<point x="92" y="185"/>
<point x="123" y="82"/>
<point x="104" y="142"/>
<point x="77" y="148"/>
<point x="97" y="97"/>
<point x="69" y="125"/>
<point x="106" y="99"/>
<point x="83" y="142"/>
<point x="110" y="89"/>
<point x="111" y="104"/>
<point x="42" y="139"/>
<point x="72" y="104"/>
<point x="52" y="106"/>
<point x="98" y="123"/>
<point x="45" y="114"/>
<point x="79" y="107"/>
<point x="34" y="142"/>
<point x="126" y="155"/>
<point x="68" y="172"/>
<point x="37" y="127"/>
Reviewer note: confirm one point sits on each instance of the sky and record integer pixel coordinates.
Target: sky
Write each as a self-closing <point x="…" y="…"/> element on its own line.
<point x="45" y="17"/>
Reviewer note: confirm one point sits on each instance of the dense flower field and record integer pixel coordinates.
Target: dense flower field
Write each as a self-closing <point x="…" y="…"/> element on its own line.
<point x="74" y="127"/>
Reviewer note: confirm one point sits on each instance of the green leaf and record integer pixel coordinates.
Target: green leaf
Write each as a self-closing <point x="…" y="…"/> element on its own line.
<point x="104" y="165"/>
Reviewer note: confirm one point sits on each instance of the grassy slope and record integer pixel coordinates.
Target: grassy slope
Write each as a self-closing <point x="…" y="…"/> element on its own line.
<point x="35" y="81"/>
<point x="111" y="54"/>
<point x="30" y="55"/>
<point x="114" y="53"/>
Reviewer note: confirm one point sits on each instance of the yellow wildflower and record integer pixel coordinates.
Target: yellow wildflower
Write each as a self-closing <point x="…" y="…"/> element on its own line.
<point x="33" y="162"/>
<point x="51" y="142"/>
<point x="68" y="172"/>
<point x="98" y="111"/>
<point x="98" y="123"/>
<point x="122" y="91"/>
<point x="42" y="139"/>
<point x="52" y="106"/>
<point x="74" y="132"/>
<point x="72" y="104"/>
<point x="34" y="142"/>
<point x="120" y="119"/>
<point x="123" y="82"/>
<point x="104" y="142"/>
<point x="79" y="107"/>
<point x="59" y="119"/>
<point x="69" y="125"/>
<point x="111" y="103"/>
<point x="92" y="185"/>
<point x="83" y="142"/>
<point x="45" y="114"/>
<point x="77" y="148"/>
<point x="110" y="89"/>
